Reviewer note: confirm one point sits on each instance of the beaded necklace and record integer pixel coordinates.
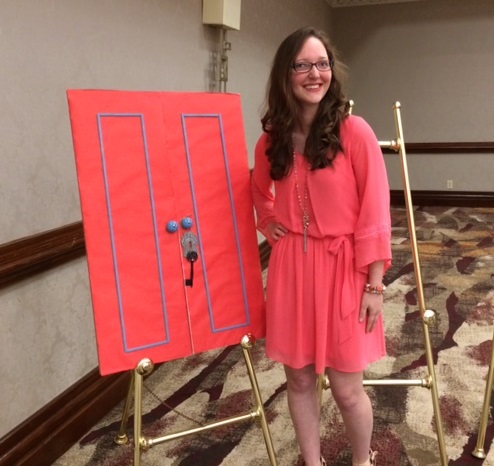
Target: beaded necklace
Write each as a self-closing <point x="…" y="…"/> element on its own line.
<point x="302" y="202"/>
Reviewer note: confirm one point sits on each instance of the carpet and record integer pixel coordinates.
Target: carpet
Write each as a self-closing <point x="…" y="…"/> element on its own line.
<point x="456" y="251"/>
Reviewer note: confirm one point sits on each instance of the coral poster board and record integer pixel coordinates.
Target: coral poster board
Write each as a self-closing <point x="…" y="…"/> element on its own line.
<point x="168" y="221"/>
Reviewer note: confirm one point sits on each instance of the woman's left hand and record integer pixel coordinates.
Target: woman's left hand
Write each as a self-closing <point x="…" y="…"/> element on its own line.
<point x="372" y="308"/>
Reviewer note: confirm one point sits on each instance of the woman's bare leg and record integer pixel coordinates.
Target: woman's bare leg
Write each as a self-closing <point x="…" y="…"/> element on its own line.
<point x="356" y="409"/>
<point x="304" y="407"/>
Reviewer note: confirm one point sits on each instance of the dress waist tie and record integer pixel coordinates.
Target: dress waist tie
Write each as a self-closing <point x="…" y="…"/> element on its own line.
<point x="342" y="248"/>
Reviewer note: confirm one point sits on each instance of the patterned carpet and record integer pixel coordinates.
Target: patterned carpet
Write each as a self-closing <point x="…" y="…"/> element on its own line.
<point x="456" y="250"/>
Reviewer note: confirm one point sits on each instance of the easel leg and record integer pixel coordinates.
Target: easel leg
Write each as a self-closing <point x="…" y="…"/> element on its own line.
<point x="122" y="437"/>
<point x="321" y="385"/>
<point x="428" y="316"/>
<point x="247" y="344"/>
<point x="144" y="367"/>
<point x="479" y="448"/>
<point x="137" y="418"/>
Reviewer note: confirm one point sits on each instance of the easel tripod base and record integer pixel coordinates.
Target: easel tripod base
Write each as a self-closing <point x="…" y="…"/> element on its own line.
<point x="142" y="443"/>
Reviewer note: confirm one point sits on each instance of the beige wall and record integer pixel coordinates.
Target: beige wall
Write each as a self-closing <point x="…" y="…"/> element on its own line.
<point x="437" y="58"/>
<point x="47" y="47"/>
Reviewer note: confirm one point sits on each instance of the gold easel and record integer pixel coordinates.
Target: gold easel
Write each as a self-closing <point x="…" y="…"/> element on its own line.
<point x="142" y="443"/>
<point x="484" y="419"/>
<point x="428" y="316"/>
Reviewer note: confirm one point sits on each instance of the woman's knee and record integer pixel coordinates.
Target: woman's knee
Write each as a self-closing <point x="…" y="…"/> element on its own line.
<point x="300" y="380"/>
<point x="347" y="389"/>
<point x="348" y="398"/>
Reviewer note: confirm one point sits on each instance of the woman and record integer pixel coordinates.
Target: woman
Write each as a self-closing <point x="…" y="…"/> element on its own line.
<point x="328" y="221"/>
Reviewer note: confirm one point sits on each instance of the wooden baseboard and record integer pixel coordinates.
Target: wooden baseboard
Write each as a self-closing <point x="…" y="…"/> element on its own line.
<point x="445" y="198"/>
<point x="55" y="428"/>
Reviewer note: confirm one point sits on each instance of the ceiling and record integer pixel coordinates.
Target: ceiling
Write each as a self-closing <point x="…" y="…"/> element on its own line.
<point x="343" y="3"/>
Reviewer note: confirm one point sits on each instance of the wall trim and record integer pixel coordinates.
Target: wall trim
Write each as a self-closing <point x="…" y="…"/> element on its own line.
<point x="56" y="427"/>
<point x="34" y="254"/>
<point x="445" y="198"/>
<point x="446" y="148"/>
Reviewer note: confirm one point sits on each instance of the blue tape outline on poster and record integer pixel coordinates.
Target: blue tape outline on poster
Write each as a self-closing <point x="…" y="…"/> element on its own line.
<point x="166" y="341"/>
<point x="215" y="329"/>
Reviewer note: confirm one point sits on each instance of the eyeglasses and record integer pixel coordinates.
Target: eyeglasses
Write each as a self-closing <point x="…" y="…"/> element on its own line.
<point x="305" y="67"/>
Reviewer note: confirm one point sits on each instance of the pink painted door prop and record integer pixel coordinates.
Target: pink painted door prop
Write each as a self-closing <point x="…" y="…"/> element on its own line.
<point x="168" y="221"/>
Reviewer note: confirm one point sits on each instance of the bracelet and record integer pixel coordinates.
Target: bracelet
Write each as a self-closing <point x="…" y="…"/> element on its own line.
<point x="378" y="289"/>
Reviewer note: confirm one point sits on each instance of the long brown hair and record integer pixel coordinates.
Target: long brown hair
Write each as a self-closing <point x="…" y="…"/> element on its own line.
<point x="281" y="109"/>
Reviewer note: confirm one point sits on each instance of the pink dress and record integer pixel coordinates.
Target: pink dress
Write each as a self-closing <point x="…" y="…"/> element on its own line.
<point x="314" y="298"/>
